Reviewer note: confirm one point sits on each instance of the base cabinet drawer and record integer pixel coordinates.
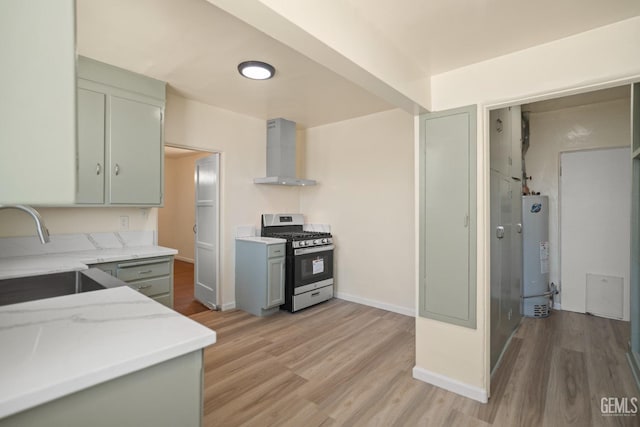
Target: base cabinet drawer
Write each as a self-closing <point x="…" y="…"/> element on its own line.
<point x="128" y="273"/>
<point x="152" y="277"/>
<point x="152" y="287"/>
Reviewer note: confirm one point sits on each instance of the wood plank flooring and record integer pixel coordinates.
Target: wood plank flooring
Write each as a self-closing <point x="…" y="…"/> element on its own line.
<point x="183" y="300"/>
<point x="345" y="364"/>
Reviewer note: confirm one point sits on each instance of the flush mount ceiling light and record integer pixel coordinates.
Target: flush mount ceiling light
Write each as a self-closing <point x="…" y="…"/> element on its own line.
<point x="256" y="70"/>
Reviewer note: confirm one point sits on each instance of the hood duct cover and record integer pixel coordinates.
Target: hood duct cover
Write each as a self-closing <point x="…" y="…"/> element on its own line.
<point x="281" y="155"/>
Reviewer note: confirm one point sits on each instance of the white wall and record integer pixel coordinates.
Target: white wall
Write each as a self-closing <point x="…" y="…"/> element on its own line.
<point x="604" y="56"/>
<point x="241" y="142"/>
<point x="365" y="192"/>
<point x="599" y="125"/>
<point x="77" y="220"/>
<point x="177" y="217"/>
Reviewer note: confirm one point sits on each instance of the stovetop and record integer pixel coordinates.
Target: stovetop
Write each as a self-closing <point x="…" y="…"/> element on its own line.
<point x="296" y="235"/>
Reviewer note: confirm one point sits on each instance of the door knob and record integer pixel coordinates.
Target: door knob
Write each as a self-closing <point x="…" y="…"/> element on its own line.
<point x="500" y="232"/>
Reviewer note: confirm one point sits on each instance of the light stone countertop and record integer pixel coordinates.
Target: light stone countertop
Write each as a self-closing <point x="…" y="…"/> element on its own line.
<point x="22" y="256"/>
<point x="57" y="346"/>
<point x="35" y="265"/>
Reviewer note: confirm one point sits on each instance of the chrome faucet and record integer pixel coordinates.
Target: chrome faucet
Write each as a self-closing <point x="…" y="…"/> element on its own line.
<point x="43" y="233"/>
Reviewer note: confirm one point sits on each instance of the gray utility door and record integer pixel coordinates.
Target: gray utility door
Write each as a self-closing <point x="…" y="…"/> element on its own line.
<point x="207" y="177"/>
<point x="447" y="289"/>
<point x="595" y="219"/>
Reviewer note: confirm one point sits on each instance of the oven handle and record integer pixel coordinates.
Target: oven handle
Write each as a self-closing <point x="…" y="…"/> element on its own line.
<point x="304" y="251"/>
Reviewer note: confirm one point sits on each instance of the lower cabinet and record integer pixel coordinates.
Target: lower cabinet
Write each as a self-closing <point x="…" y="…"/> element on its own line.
<point x="167" y="394"/>
<point x="152" y="277"/>
<point x="260" y="275"/>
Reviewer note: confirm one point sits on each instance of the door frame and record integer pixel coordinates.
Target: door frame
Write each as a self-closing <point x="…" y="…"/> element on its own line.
<point x="219" y="226"/>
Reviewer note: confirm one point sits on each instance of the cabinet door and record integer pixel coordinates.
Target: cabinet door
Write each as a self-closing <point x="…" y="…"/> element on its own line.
<point x="275" y="282"/>
<point x="91" y="132"/>
<point x="135" y="152"/>
<point x="447" y="282"/>
<point x="37" y="102"/>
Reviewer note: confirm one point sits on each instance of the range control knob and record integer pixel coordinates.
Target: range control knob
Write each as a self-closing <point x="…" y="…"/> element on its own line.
<point x="325" y="240"/>
<point x="316" y="242"/>
<point x="303" y="243"/>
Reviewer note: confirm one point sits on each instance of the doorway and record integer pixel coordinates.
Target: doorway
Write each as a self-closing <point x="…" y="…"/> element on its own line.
<point x="177" y="223"/>
<point x="594" y="120"/>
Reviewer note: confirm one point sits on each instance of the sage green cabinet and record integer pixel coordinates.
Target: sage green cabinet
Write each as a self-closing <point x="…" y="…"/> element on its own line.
<point x="120" y="136"/>
<point x="37" y="102"/>
<point x="447" y="236"/>
<point x="167" y="394"/>
<point x="260" y="275"/>
<point x="91" y="135"/>
<point x="152" y="277"/>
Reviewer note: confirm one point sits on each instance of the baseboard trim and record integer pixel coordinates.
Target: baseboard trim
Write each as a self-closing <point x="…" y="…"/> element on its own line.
<point x="181" y="258"/>
<point x="228" y="306"/>
<point x="377" y="304"/>
<point x="450" y="384"/>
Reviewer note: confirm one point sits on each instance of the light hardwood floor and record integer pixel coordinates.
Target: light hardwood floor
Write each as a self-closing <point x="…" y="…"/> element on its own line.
<point x="341" y="363"/>
<point x="183" y="300"/>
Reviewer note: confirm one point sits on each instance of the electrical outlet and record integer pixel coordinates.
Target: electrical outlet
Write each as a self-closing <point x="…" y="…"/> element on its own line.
<point x="124" y="223"/>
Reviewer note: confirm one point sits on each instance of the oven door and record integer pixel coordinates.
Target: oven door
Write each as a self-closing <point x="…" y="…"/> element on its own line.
<point x="313" y="268"/>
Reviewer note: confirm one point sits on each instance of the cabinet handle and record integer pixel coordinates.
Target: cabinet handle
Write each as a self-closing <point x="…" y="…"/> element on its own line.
<point x="315" y="294"/>
<point x="195" y="228"/>
<point x="500" y="232"/>
<point x="145" y="272"/>
<point x="144" y="287"/>
<point x="98" y="168"/>
<point x="117" y="169"/>
<point x="519" y="228"/>
<point x="466" y="221"/>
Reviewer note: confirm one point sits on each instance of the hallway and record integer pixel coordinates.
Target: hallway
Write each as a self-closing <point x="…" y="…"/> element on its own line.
<point x="183" y="300"/>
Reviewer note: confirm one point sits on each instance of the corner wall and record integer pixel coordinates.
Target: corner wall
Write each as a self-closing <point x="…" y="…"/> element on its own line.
<point x="365" y="192"/>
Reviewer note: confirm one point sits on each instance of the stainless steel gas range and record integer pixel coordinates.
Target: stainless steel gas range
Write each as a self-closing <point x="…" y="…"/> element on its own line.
<point x="309" y="260"/>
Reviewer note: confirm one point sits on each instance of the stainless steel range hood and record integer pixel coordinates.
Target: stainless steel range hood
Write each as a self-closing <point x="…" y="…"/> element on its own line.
<point x="281" y="155"/>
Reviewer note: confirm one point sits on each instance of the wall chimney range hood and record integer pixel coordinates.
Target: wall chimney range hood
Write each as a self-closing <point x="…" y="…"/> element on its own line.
<point x="281" y="155"/>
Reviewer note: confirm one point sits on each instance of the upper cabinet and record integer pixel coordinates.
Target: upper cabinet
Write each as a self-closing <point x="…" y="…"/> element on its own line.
<point x="120" y="136"/>
<point x="38" y="102"/>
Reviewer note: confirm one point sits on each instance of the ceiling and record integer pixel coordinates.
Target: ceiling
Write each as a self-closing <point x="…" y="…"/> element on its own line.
<point x="195" y="47"/>
<point x="442" y="35"/>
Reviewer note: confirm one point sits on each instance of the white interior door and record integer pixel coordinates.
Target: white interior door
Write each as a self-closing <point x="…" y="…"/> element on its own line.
<point x="595" y="206"/>
<point x="207" y="178"/>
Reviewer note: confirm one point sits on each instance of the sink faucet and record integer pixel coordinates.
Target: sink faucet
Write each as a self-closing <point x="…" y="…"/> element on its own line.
<point x="43" y="233"/>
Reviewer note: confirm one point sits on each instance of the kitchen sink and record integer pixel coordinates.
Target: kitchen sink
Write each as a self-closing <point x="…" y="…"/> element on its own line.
<point x="32" y="288"/>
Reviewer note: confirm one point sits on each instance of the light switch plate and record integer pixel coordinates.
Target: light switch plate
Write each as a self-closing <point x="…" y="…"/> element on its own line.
<point x="124" y="222"/>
